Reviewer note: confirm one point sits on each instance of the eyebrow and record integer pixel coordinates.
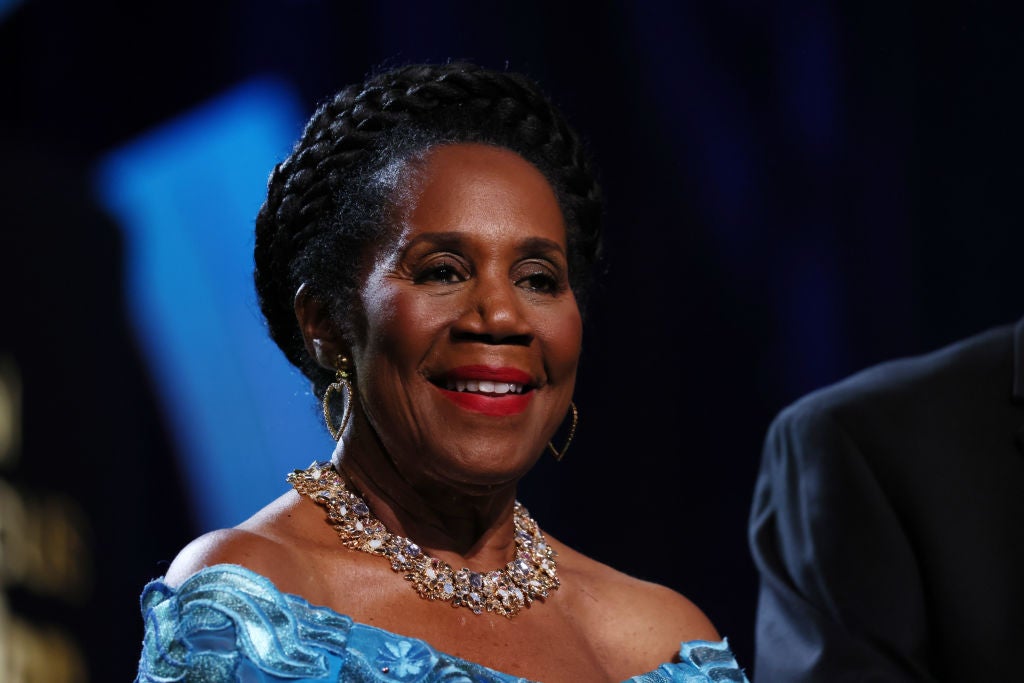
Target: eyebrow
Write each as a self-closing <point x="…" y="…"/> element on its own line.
<point x="455" y="238"/>
<point x="542" y="244"/>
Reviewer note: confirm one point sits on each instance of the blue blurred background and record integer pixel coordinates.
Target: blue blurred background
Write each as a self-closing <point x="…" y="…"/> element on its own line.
<point x="796" y="190"/>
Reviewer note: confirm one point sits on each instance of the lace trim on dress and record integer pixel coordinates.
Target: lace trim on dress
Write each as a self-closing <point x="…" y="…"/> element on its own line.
<point x="227" y="623"/>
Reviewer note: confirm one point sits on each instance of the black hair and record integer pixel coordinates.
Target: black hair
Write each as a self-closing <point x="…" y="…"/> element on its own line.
<point x="325" y="202"/>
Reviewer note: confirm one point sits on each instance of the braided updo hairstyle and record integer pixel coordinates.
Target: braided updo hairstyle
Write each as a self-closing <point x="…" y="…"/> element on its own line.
<point x="329" y="199"/>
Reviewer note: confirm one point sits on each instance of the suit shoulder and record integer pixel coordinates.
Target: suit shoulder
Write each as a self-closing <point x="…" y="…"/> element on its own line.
<point x="979" y="359"/>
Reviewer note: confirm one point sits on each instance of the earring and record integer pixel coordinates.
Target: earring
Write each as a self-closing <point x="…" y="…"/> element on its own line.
<point x="559" y="454"/>
<point x="342" y="381"/>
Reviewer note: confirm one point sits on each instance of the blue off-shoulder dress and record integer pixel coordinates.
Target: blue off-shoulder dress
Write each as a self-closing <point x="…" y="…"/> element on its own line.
<point x="227" y="623"/>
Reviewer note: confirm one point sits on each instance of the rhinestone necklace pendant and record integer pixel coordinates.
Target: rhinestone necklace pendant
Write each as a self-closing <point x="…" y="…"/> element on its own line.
<point x="531" y="575"/>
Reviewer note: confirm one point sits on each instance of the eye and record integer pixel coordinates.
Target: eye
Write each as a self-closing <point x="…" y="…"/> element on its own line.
<point x="539" y="282"/>
<point x="540" y="278"/>
<point x="444" y="271"/>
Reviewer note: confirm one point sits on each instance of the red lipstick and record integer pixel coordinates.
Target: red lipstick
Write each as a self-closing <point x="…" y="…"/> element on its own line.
<point x="488" y="403"/>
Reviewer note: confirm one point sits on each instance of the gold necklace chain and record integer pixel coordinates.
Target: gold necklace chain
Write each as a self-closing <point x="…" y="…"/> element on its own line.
<point x="531" y="575"/>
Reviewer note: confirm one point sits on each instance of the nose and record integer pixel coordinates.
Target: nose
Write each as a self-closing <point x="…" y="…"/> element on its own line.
<point x="494" y="314"/>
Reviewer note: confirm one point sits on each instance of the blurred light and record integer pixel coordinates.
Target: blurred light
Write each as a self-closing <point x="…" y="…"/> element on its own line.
<point x="6" y="6"/>
<point x="186" y="195"/>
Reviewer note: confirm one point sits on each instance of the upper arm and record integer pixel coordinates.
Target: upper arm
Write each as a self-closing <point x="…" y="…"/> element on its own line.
<point x="840" y="586"/>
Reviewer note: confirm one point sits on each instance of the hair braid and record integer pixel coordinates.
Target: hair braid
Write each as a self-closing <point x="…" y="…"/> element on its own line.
<point x="323" y="206"/>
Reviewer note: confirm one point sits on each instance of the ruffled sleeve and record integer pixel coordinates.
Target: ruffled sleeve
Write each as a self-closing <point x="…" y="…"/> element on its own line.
<point x="226" y="623"/>
<point x="700" y="661"/>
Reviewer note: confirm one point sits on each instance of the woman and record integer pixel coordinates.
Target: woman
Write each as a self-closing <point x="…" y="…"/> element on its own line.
<point x="420" y="257"/>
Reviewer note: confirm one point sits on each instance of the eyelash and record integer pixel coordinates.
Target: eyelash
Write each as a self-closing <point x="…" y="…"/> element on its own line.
<point x="449" y="272"/>
<point x="548" y="283"/>
<point x="445" y="272"/>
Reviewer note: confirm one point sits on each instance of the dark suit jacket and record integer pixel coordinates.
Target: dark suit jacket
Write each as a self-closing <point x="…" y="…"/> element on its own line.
<point x="888" y="523"/>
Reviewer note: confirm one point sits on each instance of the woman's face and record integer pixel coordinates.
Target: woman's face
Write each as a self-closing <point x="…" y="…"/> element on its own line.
<point x="466" y="359"/>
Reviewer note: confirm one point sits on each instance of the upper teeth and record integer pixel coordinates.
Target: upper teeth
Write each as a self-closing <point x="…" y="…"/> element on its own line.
<point x="484" y="386"/>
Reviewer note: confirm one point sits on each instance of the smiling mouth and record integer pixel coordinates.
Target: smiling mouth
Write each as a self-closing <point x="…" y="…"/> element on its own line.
<point x="485" y="387"/>
<point x="482" y="389"/>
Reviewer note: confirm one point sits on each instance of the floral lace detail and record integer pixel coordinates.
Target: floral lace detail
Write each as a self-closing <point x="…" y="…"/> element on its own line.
<point x="404" y="659"/>
<point x="229" y="624"/>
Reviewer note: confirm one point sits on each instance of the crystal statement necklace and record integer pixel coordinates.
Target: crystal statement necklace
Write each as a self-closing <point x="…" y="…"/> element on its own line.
<point x="531" y="575"/>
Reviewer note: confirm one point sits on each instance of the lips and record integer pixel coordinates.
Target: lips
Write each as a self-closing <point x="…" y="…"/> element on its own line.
<point x="496" y="391"/>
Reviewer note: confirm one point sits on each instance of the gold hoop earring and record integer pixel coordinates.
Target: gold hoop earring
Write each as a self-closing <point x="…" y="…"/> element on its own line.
<point x="559" y="454"/>
<point x="342" y="381"/>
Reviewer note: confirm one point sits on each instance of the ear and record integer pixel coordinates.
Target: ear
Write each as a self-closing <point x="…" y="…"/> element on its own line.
<point x="319" y="332"/>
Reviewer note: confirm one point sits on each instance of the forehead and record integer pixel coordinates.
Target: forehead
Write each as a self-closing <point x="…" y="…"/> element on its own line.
<point x="479" y="189"/>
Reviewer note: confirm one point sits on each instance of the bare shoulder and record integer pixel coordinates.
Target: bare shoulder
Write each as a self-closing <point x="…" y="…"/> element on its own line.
<point x="627" y="614"/>
<point x="223" y="546"/>
<point x="266" y="543"/>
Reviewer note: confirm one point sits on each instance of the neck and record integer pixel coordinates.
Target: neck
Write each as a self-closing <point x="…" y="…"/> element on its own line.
<point x="464" y="528"/>
<point x="505" y="590"/>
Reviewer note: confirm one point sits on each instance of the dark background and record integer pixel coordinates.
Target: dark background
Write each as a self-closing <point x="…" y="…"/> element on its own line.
<point x="796" y="190"/>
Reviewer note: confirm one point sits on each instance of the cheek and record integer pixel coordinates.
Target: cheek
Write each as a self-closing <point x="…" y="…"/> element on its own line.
<point x="399" y="327"/>
<point x="563" y="336"/>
